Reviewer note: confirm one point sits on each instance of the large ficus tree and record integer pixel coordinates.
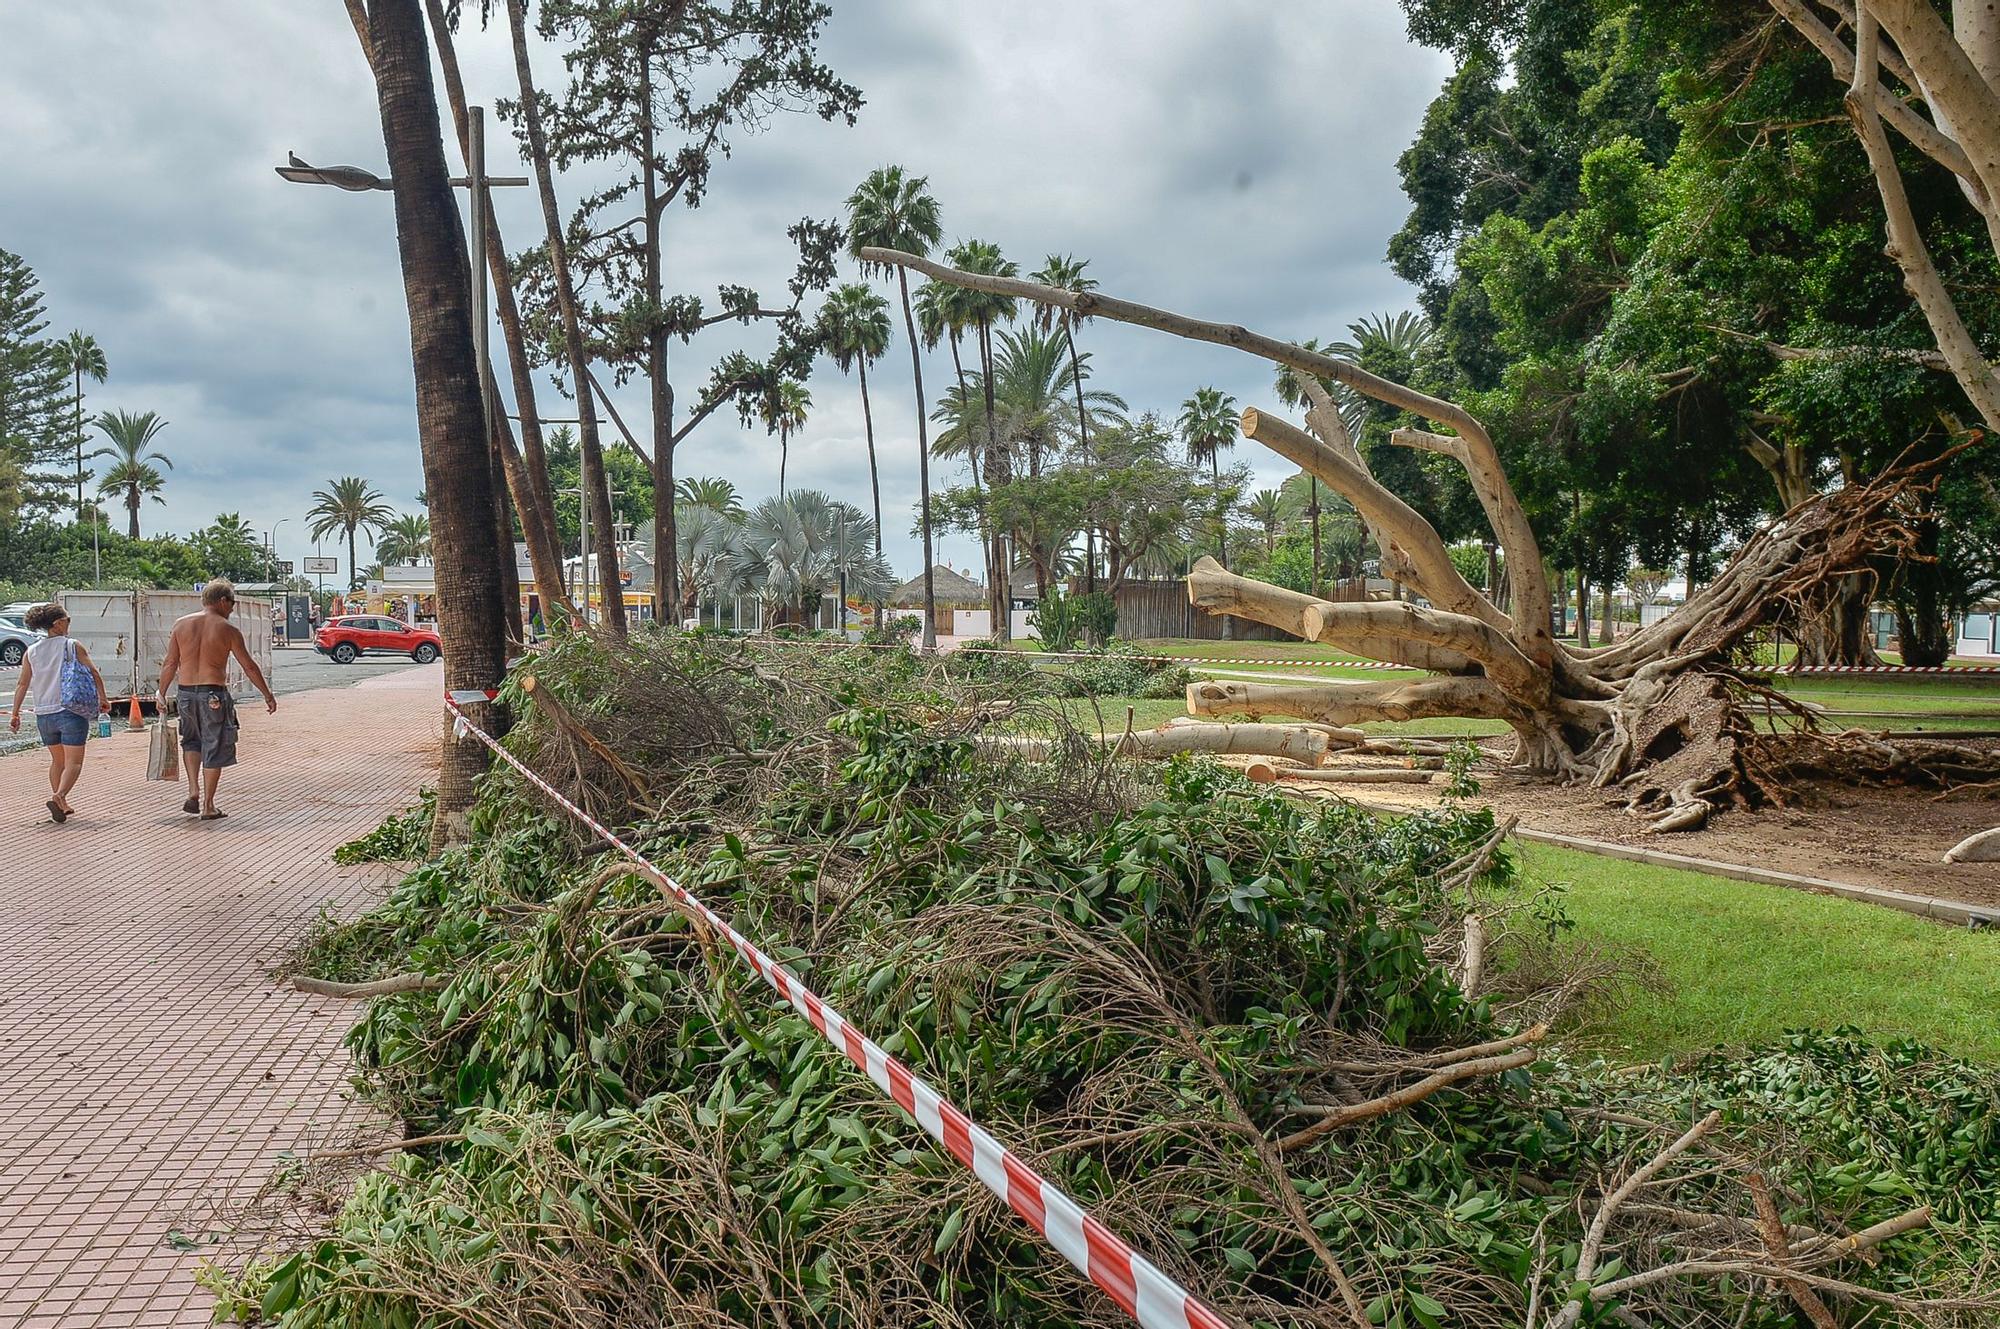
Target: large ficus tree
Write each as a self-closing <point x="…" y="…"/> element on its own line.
<point x="1657" y="715"/>
<point x="660" y="92"/>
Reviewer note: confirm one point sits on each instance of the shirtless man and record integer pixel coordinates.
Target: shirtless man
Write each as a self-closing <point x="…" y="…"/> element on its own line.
<point x="199" y="654"/>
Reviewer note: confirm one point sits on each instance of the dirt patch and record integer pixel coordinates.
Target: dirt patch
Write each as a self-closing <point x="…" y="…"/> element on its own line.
<point x="1889" y="837"/>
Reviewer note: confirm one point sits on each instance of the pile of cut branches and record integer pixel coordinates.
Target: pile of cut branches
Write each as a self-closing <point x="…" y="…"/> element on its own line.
<point x="1255" y="1037"/>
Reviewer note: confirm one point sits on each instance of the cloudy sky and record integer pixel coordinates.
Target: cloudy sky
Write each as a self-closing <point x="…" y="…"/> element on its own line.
<point x="1229" y="158"/>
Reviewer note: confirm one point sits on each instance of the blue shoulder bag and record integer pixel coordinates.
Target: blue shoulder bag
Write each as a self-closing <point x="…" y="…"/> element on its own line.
<point x="79" y="687"/>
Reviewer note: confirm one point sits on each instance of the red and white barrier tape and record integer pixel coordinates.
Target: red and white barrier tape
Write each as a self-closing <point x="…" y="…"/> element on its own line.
<point x="1891" y="670"/>
<point x="1140" y="1287"/>
<point x="1032" y="656"/>
<point x="1289" y="663"/>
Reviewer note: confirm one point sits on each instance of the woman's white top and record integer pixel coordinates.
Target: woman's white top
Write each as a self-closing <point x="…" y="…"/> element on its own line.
<point x="45" y="662"/>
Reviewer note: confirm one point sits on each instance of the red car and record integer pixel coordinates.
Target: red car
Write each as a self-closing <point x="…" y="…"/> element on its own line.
<point x="348" y="638"/>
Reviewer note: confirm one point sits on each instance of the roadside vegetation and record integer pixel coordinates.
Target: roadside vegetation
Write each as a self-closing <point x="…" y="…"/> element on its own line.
<point x="1255" y="1036"/>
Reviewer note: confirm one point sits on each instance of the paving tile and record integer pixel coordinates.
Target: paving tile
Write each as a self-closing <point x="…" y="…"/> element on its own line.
<point x="138" y="1020"/>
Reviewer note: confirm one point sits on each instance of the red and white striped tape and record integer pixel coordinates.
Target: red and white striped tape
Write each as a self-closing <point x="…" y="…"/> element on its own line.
<point x="1891" y="669"/>
<point x="1293" y="663"/>
<point x="1141" y="1288"/>
<point x="1142" y="656"/>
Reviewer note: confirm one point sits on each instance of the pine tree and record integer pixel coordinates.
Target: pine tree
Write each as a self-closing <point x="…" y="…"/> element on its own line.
<point x="34" y="435"/>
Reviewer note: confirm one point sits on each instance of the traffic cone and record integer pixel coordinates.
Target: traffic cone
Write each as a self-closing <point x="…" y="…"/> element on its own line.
<point x="134" y="720"/>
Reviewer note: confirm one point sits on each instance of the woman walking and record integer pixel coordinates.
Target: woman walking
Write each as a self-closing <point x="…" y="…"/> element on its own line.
<point x="62" y="713"/>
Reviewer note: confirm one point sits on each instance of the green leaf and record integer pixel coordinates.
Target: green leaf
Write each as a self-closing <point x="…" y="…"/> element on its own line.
<point x="948" y="1234"/>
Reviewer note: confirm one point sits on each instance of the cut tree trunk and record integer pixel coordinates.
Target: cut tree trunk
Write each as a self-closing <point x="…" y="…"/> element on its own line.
<point x="1659" y="717"/>
<point x="1302" y="743"/>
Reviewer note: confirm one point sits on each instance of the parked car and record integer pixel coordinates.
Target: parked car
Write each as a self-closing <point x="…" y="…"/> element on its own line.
<point x="15" y="639"/>
<point x="351" y="636"/>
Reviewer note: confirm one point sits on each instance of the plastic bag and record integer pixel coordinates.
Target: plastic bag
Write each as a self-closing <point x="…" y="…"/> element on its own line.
<point x="163" y="751"/>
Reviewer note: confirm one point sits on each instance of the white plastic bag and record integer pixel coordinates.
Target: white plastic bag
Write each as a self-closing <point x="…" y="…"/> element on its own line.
<point x="163" y="753"/>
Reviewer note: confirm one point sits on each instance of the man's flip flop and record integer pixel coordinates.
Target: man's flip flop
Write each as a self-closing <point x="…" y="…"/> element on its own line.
<point x="191" y="807"/>
<point x="213" y="816"/>
<point x="56" y="812"/>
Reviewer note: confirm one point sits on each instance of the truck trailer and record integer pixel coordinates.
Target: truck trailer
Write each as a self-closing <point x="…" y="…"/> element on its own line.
<point x="126" y="634"/>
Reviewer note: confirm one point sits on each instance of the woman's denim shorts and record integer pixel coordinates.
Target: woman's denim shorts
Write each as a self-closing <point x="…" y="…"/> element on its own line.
<point x="63" y="729"/>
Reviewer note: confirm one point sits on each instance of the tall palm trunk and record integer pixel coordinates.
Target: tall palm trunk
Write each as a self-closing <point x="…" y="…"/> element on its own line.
<point x="923" y="463"/>
<point x="79" y="442"/>
<point x="874" y="479"/>
<point x="353" y="568"/>
<point x="132" y="510"/>
<point x="590" y="454"/>
<point x="451" y="419"/>
<point x="997" y="597"/>
<point x="1083" y="442"/>
<point x="526" y="468"/>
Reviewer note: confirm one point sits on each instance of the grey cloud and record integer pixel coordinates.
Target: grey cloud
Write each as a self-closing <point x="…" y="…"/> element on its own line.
<point x="266" y="321"/>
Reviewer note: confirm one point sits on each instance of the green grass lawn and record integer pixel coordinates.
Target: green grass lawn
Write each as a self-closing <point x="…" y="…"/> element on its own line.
<point x="1905" y="703"/>
<point x="1746" y="962"/>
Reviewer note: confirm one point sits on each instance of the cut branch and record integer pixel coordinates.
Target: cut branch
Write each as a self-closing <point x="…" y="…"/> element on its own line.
<point x="1440" y="578"/>
<point x="1354" y="703"/>
<point x="1348" y="1114"/>
<point x="1378" y="631"/>
<point x="380" y="987"/>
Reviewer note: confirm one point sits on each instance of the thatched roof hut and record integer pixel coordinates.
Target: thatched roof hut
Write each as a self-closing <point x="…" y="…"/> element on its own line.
<point x="951" y="590"/>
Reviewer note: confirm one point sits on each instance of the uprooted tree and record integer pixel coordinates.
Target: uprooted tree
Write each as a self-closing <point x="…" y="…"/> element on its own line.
<point x="1660" y="716"/>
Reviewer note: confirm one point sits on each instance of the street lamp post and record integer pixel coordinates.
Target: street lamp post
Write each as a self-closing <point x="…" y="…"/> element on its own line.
<point x="356" y="180"/>
<point x="271" y="548"/>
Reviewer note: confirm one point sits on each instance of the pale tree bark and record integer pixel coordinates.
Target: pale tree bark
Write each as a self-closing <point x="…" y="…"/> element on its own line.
<point x="1658" y="716"/>
<point x="591" y="471"/>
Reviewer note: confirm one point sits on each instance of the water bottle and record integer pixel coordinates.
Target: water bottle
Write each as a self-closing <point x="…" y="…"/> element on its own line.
<point x="104" y="726"/>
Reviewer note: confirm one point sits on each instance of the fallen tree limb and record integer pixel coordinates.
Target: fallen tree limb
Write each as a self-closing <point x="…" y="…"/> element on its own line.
<point x="1600" y="1225"/>
<point x="1838" y="1248"/>
<point x="380" y="987"/>
<point x="388" y="1146"/>
<point x="548" y="703"/>
<point x="1347" y="1114"/>
<point x="1771" y="1228"/>
<point x="1265" y="773"/>
<point x="1396" y="633"/>
<point x="1983" y="847"/>
<point x="1305" y="743"/>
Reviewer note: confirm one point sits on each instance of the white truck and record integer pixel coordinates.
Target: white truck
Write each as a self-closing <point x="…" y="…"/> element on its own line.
<point x="126" y="634"/>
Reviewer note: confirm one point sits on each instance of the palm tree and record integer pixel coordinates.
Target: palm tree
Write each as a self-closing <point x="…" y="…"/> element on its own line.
<point x="1066" y="274"/>
<point x="81" y="355"/>
<point x="891" y="210"/>
<point x="1207" y="426"/>
<point x="350" y="504"/>
<point x="980" y="310"/>
<point x="800" y="546"/>
<point x="856" y="324"/>
<point x="711" y="492"/>
<point x="406" y="540"/>
<point x="134" y="475"/>
<point x="784" y="411"/>
<point x="712" y="557"/>
<point x="1267" y="509"/>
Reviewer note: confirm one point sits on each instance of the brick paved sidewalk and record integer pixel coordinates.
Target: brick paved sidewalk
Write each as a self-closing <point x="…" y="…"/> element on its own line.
<point x="148" y="1064"/>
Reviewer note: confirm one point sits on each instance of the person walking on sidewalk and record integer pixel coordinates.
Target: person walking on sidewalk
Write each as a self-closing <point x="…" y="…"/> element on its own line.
<point x="63" y="728"/>
<point x="198" y="655"/>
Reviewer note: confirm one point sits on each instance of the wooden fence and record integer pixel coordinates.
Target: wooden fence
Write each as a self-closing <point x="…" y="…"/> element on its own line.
<point x="1160" y="608"/>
